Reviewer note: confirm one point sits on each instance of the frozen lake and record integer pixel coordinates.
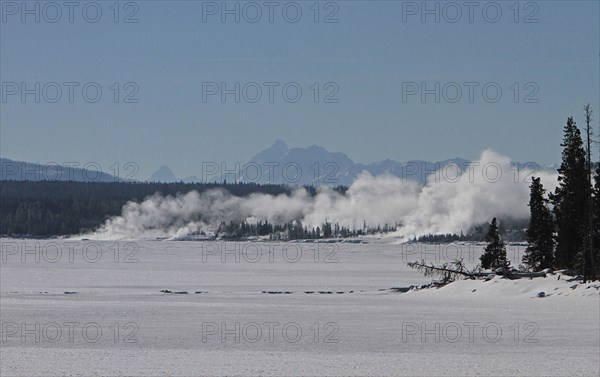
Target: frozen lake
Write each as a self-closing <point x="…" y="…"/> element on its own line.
<point x="96" y="308"/>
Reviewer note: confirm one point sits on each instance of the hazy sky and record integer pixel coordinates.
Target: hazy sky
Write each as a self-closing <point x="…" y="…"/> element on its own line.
<point x="369" y="62"/>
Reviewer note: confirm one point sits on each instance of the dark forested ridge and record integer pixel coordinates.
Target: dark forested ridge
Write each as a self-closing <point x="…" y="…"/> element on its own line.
<point x="55" y="208"/>
<point x="11" y="170"/>
<point x="50" y="208"/>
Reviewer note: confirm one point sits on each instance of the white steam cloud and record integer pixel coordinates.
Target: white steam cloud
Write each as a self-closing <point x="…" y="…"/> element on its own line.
<point x="450" y="202"/>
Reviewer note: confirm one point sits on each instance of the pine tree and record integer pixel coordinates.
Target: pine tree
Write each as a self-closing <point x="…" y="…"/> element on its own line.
<point x="540" y="233"/>
<point x="596" y="221"/>
<point x="570" y="199"/>
<point x="494" y="254"/>
<point x="587" y="258"/>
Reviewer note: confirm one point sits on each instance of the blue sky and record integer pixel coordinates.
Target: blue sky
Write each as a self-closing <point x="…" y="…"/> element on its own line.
<point x="373" y="51"/>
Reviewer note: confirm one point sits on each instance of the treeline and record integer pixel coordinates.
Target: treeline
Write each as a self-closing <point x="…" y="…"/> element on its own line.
<point x="511" y="230"/>
<point x="568" y="235"/>
<point x="296" y="231"/>
<point x="564" y="226"/>
<point x="52" y="208"/>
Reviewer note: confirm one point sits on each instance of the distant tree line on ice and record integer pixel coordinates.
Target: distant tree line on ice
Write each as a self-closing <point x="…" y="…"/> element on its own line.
<point x="296" y="230"/>
<point x="52" y="208"/>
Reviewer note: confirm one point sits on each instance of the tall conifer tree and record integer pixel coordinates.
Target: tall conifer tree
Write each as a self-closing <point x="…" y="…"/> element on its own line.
<point x="570" y="199"/>
<point x="540" y="233"/>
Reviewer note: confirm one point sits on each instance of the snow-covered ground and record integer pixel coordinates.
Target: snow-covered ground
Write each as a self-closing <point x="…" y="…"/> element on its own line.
<point x="96" y="308"/>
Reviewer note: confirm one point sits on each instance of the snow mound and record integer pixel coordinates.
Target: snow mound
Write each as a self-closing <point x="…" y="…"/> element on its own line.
<point x="553" y="286"/>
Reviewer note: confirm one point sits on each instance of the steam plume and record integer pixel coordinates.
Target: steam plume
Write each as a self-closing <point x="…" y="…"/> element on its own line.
<point x="450" y="202"/>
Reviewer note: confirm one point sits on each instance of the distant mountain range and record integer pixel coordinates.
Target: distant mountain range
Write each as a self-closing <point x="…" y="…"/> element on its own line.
<point x="278" y="164"/>
<point x="12" y="170"/>
<point x="314" y="165"/>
